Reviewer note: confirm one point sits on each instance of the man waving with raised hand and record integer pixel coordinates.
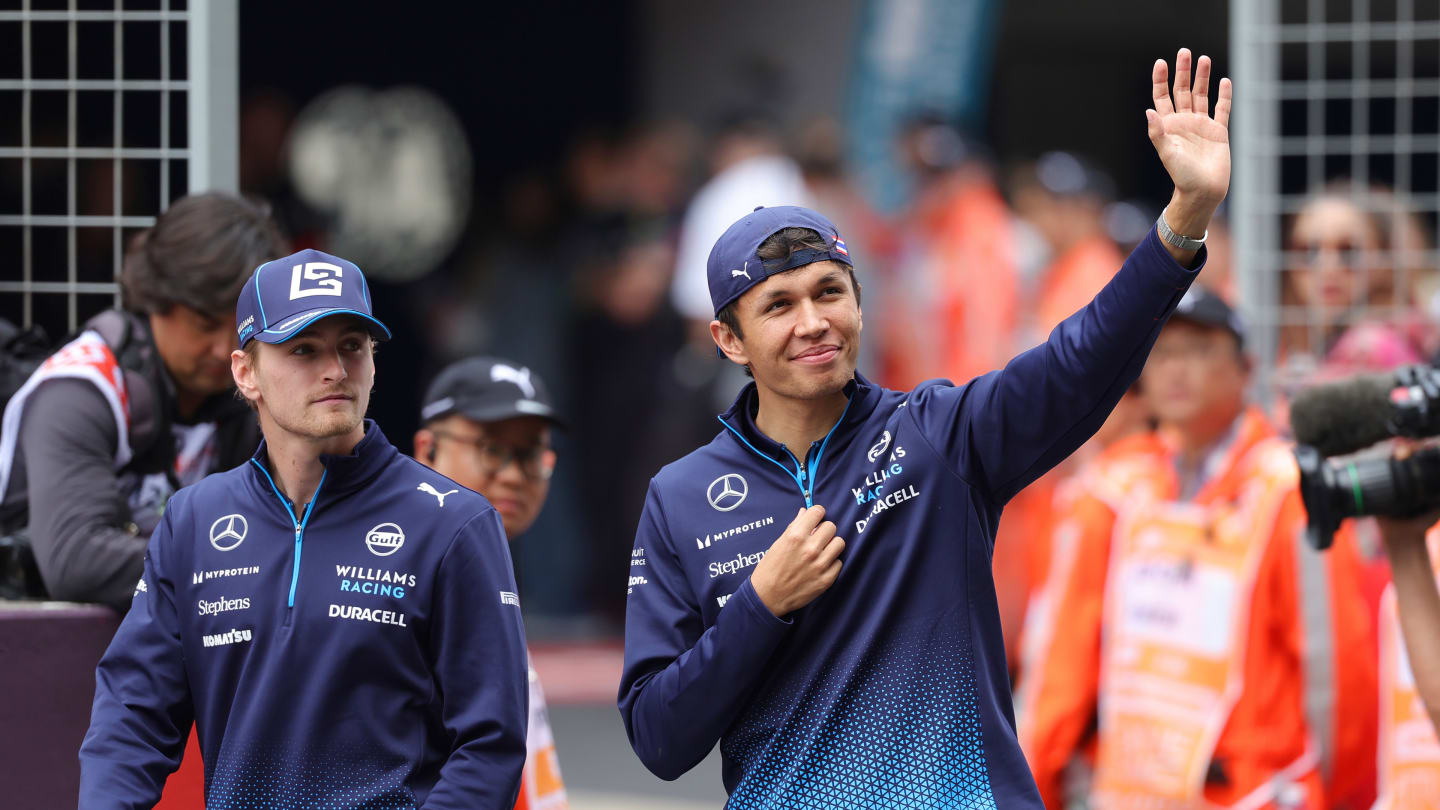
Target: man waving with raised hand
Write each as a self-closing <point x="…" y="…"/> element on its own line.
<point x="812" y="589"/>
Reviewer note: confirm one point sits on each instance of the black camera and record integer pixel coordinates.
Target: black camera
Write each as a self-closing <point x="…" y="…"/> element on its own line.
<point x="1343" y="417"/>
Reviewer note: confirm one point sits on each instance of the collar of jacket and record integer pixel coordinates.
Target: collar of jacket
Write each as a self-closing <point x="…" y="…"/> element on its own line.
<point x="740" y="417"/>
<point x="343" y="473"/>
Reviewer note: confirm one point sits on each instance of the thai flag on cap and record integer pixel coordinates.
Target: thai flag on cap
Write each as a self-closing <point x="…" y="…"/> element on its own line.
<point x="840" y="246"/>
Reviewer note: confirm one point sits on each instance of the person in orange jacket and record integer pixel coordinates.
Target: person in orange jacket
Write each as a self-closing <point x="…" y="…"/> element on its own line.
<point x="1210" y="684"/>
<point x="1045" y="525"/>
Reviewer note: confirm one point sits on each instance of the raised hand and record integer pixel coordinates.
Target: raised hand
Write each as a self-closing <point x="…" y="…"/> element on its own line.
<point x="1194" y="147"/>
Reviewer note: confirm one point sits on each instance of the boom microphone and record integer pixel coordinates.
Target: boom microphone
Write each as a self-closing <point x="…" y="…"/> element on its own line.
<point x="1349" y="415"/>
<point x="1342" y="417"/>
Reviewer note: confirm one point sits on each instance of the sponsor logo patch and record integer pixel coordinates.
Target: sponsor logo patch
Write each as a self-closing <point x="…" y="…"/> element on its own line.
<point x="228" y="532"/>
<point x="198" y="577"/>
<point x="439" y="496"/>
<point x="214" y="607"/>
<point x="230" y="637"/>
<point x="360" y="614"/>
<point x="878" y="448"/>
<point x="727" y="492"/>
<point x="385" y="539"/>
<point x="374" y="581"/>
<point x="734" y="566"/>
<point x="704" y="542"/>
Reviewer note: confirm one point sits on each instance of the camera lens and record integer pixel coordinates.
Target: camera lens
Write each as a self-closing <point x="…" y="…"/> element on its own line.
<point x="1333" y="490"/>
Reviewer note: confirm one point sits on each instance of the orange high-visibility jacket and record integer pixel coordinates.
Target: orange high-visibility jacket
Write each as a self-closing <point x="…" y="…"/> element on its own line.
<point x="950" y="309"/>
<point x="1267" y="694"/>
<point x="541" y="787"/>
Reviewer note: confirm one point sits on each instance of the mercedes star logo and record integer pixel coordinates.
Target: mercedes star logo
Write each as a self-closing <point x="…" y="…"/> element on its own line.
<point x="228" y="532"/>
<point x="727" y="492"/>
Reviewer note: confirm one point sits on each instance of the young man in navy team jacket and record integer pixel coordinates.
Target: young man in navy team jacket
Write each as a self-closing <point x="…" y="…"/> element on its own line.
<point x="338" y="633"/>
<point x="869" y="671"/>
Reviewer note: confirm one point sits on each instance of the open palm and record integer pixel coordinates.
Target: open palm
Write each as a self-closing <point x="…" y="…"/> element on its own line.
<point x="1194" y="147"/>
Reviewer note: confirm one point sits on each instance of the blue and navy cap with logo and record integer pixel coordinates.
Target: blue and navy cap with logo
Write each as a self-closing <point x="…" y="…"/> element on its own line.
<point x="286" y="295"/>
<point x="735" y="265"/>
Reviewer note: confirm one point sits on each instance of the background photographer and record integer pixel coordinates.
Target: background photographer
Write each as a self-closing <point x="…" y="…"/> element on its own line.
<point x="138" y="405"/>
<point x="1332" y="422"/>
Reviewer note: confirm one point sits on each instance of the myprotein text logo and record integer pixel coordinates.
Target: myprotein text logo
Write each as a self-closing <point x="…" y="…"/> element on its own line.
<point x="704" y="542"/>
<point x="198" y="577"/>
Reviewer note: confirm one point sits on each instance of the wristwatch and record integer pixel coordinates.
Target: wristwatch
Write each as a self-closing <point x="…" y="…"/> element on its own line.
<point x="1175" y="239"/>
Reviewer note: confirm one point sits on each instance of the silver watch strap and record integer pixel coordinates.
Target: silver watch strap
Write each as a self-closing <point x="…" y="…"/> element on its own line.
<point x="1175" y="239"/>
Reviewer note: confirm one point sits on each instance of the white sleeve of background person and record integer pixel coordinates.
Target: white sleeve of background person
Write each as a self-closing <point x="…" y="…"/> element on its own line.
<point x="769" y="180"/>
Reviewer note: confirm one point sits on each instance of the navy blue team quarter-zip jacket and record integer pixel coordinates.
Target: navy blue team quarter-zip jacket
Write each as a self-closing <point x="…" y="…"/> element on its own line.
<point x="361" y="651"/>
<point x="889" y="690"/>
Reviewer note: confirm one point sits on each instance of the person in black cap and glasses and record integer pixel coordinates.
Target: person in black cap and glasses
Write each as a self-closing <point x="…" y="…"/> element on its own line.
<point x="869" y="671"/>
<point x="339" y="622"/>
<point x="485" y="425"/>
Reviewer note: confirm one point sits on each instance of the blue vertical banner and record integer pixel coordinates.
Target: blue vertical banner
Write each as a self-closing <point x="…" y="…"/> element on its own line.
<point x="914" y="56"/>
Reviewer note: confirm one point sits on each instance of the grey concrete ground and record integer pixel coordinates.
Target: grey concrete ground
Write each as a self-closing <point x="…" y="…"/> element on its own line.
<point x="602" y="773"/>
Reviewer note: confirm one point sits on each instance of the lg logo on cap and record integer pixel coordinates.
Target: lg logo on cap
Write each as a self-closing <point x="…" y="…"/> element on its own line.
<point x="727" y="492"/>
<point x="325" y="275"/>
<point x="228" y="532"/>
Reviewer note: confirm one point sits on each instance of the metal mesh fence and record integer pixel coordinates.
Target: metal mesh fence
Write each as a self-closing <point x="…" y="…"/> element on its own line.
<point x="98" y="102"/>
<point x="1336" y="183"/>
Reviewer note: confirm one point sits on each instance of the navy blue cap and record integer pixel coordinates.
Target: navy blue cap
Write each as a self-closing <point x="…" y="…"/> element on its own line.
<point x="286" y="295"/>
<point x="735" y="265"/>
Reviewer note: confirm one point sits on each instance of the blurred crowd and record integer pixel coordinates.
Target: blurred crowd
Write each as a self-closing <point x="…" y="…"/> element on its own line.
<point x="591" y="271"/>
